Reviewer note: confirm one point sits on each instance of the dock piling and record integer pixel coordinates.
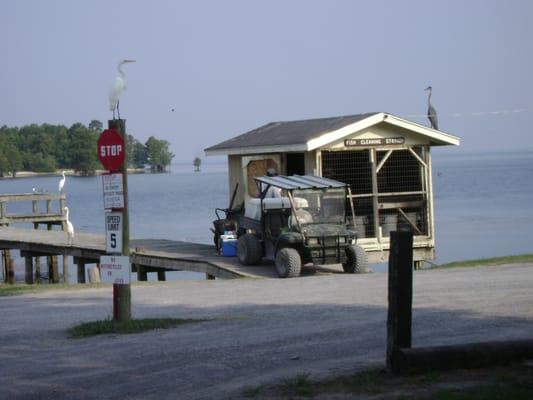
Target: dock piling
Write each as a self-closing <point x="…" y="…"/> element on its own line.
<point x="37" y="269"/>
<point x="161" y="275"/>
<point x="81" y="269"/>
<point x="29" y="269"/>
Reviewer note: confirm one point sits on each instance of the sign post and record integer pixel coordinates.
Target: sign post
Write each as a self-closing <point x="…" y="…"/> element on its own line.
<point x="112" y="154"/>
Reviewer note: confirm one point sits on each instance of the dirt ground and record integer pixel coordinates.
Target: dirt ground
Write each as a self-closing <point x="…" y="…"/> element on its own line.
<point x="261" y="332"/>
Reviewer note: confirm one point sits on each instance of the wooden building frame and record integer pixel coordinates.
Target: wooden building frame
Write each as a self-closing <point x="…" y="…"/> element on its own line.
<point x="385" y="159"/>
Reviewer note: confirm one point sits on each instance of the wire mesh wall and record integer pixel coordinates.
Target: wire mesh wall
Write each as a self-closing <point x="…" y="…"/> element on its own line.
<point x="401" y="189"/>
<point x="355" y="169"/>
<point x="400" y="173"/>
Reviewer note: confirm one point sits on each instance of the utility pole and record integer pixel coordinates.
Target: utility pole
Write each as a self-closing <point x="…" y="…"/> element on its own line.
<point x="122" y="292"/>
<point x="115" y="266"/>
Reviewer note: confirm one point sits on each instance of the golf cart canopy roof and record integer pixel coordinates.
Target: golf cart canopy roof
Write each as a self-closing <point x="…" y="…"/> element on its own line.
<point x="300" y="182"/>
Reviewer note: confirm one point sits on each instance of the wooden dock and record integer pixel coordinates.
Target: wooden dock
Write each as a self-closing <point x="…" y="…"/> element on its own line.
<point x="147" y="255"/>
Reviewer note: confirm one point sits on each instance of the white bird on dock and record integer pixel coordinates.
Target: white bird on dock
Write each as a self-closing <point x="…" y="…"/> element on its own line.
<point x="70" y="227"/>
<point x="118" y="87"/>
<point x="62" y="182"/>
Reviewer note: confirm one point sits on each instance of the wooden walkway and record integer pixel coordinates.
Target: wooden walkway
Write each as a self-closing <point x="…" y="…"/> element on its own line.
<point x="147" y="255"/>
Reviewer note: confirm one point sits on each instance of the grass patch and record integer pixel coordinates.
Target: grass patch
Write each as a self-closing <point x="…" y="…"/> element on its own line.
<point x="502" y="391"/>
<point x="252" y="391"/>
<point x="298" y="386"/>
<point x="483" y="262"/>
<point x="22" y="288"/>
<point x="491" y="383"/>
<point x="368" y="381"/>
<point x="133" y="326"/>
<point x="13" y="290"/>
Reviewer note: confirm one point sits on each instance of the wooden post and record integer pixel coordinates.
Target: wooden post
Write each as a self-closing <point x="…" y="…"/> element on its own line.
<point x="37" y="262"/>
<point x="209" y="277"/>
<point x="94" y="275"/>
<point x="29" y="269"/>
<point x="400" y="296"/>
<point x="465" y="355"/>
<point x="142" y="274"/>
<point x="81" y="270"/>
<point x="161" y="275"/>
<point x="65" y="269"/>
<point x="53" y="270"/>
<point x="37" y="270"/>
<point x="9" y="267"/>
<point x="122" y="292"/>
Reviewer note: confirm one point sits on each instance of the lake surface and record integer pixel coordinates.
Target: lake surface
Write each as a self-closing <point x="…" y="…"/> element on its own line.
<point x="483" y="203"/>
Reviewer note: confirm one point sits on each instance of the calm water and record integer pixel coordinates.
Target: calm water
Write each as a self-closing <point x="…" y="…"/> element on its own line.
<point x="483" y="203"/>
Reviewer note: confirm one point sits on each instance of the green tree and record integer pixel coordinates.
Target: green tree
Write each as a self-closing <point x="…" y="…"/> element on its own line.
<point x="140" y="155"/>
<point x="13" y="158"/>
<point x="45" y="147"/>
<point x="197" y="162"/>
<point x="82" y="149"/>
<point x="159" y="154"/>
<point x="96" y="126"/>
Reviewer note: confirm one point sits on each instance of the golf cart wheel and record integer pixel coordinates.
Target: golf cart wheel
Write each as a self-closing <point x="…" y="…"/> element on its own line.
<point x="249" y="251"/>
<point x="288" y="263"/>
<point x="357" y="261"/>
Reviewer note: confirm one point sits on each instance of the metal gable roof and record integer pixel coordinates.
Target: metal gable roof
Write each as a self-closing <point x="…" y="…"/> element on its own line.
<point x="288" y="133"/>
<point x="300" y="182"/>
<point x="305" y="135"/>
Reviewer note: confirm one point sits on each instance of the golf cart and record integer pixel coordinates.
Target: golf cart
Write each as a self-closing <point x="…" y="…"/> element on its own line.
<point x="306" y="224"/>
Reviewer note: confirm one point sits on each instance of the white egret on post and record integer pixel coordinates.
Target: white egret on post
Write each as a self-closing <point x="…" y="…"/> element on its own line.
<point x="70" y="227"/>
<point x="62" y="182"/>
<point x="118" y="87"/>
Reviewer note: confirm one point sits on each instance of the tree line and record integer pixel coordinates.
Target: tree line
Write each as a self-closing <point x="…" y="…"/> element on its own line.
<point x="46" y="148"/>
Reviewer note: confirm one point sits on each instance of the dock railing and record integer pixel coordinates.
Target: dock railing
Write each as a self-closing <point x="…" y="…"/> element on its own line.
<point x="42" y="209"/>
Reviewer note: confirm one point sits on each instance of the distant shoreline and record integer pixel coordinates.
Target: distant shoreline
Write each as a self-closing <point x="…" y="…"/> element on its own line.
<point x="68" y="172"/>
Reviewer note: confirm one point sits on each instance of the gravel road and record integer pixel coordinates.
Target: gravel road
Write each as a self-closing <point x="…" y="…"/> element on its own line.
<point x="262" y="331"/>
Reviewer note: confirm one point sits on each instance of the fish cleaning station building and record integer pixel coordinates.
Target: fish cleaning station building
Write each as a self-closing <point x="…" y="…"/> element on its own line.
<point x="385" y="159"/>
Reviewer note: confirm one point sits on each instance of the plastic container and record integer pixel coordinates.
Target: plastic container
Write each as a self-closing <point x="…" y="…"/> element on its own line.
<point x="229" y="247"/>
<point x="389" y="223"/>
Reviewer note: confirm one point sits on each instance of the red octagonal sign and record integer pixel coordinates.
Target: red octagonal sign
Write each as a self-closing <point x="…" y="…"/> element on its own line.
<point x="111" y="150"/>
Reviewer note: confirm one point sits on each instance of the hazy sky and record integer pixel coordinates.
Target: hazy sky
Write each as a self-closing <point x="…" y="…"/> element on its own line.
<point x="226" y="67"/>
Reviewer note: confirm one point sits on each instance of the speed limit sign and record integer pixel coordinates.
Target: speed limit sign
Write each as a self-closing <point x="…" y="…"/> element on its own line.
<point x="113" y="232"/>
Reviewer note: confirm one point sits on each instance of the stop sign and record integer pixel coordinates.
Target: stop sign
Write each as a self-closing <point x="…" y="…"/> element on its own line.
<point x="111" y="151"/>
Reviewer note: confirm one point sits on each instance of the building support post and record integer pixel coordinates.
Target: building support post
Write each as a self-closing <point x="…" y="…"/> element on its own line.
<point x="375" y="199"/>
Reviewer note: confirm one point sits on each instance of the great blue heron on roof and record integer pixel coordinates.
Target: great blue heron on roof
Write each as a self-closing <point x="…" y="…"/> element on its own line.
<point x="118" y="87"/>
<point x="432" y="113"/>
